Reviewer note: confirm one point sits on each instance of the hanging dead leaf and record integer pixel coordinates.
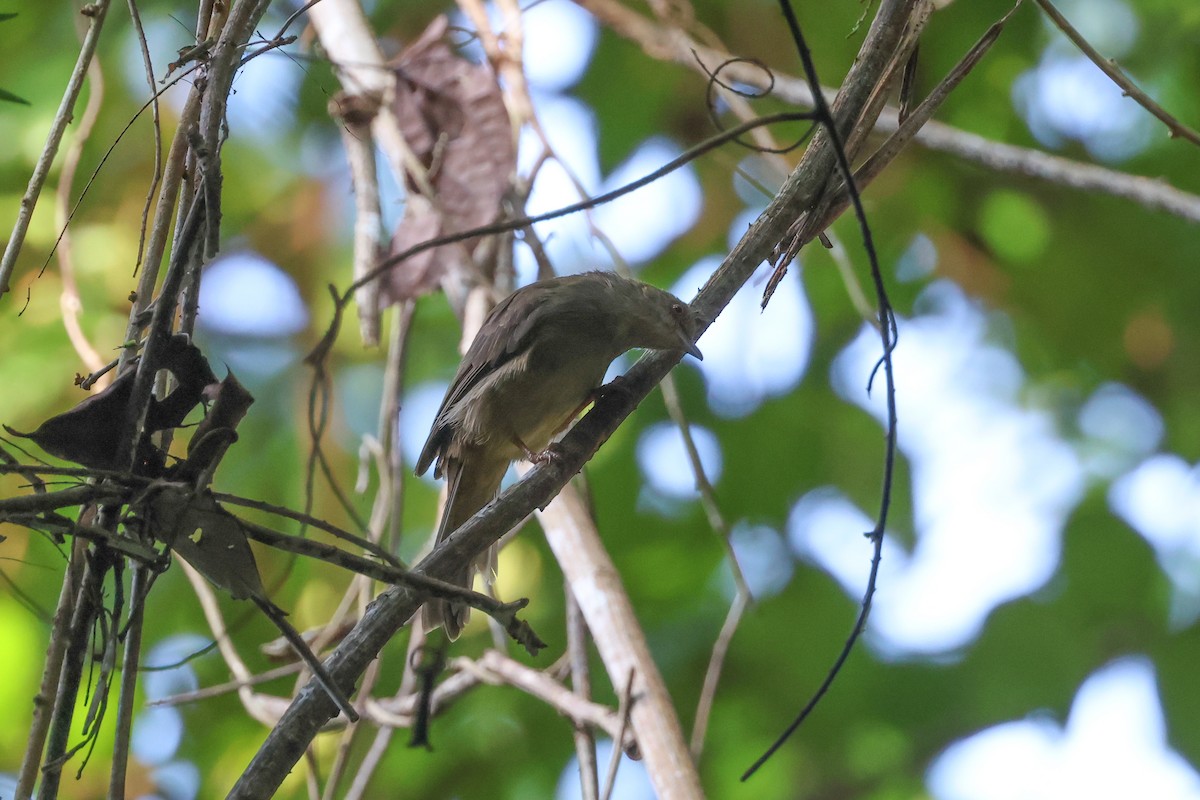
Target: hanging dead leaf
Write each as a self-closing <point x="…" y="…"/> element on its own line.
<point x="218" y="429"/>
<point x="206" y="536"/>
<point x="452" y="115"/>
<point x="193" y="376"/>
<point x="89" y="433"/>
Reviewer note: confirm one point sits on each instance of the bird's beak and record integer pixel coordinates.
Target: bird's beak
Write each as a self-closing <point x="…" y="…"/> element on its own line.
<point x="690" y="347"/>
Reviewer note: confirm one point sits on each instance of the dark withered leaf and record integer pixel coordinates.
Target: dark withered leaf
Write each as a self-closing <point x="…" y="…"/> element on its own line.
<point x="419" y="273"/>
<point x="230" y="402"/>
<point x="212" y="540"/>
<point x="89" y="434"/>
<point x="192" y="375"/>
<point x="208" y="537"/>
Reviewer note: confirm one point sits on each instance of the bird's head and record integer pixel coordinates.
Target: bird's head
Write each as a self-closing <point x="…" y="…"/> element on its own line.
<point x="659" y="320"/>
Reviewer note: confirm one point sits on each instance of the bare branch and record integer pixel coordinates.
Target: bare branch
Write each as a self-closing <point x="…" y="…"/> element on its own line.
<point x="69" y="301"/>
<point x="622" y="645"/>
<point x="43" y="703"/>
<point x="614" y="760"/>
<point x="742" y="596"/>
<point x="577" y="653"/>
<point x="66" y="110"/>
<point x="495" y="667"/>
<point x="673" y="45"/>
<point x="393" y="608"/>
<point x="1109" y="67"/>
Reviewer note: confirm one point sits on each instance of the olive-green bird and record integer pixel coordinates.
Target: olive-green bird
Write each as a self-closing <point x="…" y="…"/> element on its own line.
<point x="535" y="363"/>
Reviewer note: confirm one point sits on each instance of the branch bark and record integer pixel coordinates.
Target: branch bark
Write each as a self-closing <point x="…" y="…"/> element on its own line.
<point x="597" y="587"/>
<point x="66" y="112"/>
<point x="670" y="44"/>
<point x="285" y="744"/>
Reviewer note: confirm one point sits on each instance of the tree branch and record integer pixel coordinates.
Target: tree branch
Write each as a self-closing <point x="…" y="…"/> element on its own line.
<point x="66" y="112"/>
<point x="669" y="44"/>
<point x="1109" y="67"/>
<point x="311" y="709"/>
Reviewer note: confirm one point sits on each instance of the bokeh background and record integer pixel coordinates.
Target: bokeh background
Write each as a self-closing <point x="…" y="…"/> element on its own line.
<point x="1035" y="631"/>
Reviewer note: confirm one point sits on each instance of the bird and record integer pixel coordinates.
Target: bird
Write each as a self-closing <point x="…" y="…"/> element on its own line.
<point x="538" y="359"/>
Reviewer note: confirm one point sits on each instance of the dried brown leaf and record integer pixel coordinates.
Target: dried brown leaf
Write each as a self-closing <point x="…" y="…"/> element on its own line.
<point x="452" y="115"/>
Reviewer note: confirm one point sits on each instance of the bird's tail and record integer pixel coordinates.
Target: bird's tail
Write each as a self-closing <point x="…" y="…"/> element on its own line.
<point x="471" y="483"/>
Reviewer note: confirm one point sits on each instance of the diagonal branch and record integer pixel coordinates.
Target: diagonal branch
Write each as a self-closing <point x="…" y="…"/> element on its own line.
<point x="62" y="118"/>
<point x="1109" y="67"/>
<point x="286" y="743"/>
<point x="669" y="44"/>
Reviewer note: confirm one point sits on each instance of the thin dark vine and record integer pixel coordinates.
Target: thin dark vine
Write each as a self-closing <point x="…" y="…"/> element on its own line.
<point x="887" y="334"/>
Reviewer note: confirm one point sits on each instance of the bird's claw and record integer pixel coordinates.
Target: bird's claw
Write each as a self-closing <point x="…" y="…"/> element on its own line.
<point x="551" y="453"/>
<point x="542" y="457"/>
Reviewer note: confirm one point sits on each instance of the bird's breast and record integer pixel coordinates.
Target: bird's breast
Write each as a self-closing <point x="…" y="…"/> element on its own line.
<point x="531" y="397"/>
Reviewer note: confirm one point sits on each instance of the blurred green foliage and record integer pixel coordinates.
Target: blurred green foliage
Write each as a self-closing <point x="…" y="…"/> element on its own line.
<point x="1078" y="274"/>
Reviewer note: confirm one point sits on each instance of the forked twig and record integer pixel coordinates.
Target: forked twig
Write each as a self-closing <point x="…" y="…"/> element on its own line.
<point x="1109" y="67"/>
<point x="96" y="13"/>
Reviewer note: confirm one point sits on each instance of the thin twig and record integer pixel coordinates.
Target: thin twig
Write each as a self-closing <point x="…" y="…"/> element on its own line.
<point x="86" y="609"/>
<point x="64" y="115"/>
<point x="401" y="711"/>
<point x="310" y="521"/>
<point x="504" y="53"/>
<point x="156" y="179"/>
<point x="221" y="689"/>
<point x="389" y="429"/>
<point x="370" y="762"/>
<point x="341" y="756"/>
<point x="43" y="703"/>
<point x="673" y="45"/>
<point x="1109" y="67"/>
<point x="886" y="330"/>
<point x="712" y="675"/>
<point x="917" y="117"/>
<point x="742" y="595"/>
<point x="496" y="667"/>
<point x="312" y="775"/>
<point x="504" y="613"/>
<point x="139" y="586"/>
<point x="854" y="289"/>
<point x="69" y="301"/>
<point x="1151" y="193"/>
<point x="368" y="219"/>
<point x="577" y="652"/>
<point x="614" y="761"/>
<point x="156" y="243"/>
<point x="264" y="708"/>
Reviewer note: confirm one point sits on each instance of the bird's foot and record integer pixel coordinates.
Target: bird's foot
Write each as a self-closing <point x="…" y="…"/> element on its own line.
<point x="551" y="453"/>
<point x="540" y="457"/>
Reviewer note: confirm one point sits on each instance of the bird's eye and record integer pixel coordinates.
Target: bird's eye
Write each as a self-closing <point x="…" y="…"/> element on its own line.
<point x="677" y="309"/>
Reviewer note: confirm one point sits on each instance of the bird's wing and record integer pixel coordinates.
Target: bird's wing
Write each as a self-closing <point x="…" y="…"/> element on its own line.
<point x="503" y="335"/>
